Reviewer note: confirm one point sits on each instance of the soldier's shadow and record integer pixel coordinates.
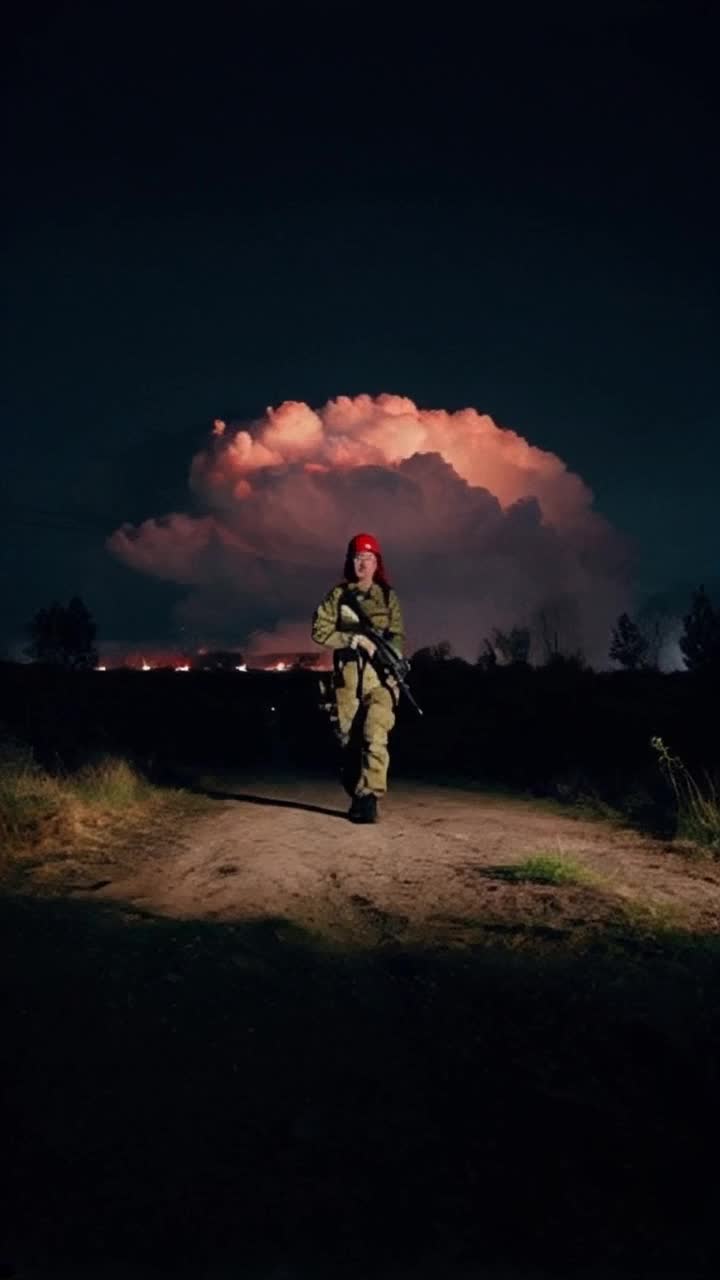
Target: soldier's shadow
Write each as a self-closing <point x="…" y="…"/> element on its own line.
<point x="243" y="798"/>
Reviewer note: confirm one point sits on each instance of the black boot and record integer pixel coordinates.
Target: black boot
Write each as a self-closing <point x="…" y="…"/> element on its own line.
<point x="363" y="809"/>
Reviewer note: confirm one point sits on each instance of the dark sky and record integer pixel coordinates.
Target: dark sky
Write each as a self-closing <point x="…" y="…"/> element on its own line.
<point x="214" y="209"/>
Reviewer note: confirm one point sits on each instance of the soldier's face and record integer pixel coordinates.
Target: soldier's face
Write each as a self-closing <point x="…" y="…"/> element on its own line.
<point x="365" y="564"/>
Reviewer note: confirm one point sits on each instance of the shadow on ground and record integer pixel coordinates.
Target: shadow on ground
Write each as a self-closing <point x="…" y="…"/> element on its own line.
<point x="189" y="1095"/>
<point x="272" y="801"/>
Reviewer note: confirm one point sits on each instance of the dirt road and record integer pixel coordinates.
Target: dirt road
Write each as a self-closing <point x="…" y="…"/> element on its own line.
<point x="436" y="868"/>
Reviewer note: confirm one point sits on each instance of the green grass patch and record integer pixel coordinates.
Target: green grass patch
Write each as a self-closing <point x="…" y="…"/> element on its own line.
<point x="547" y="868"/>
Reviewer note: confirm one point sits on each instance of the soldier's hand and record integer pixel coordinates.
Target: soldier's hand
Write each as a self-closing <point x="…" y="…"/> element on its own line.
<point x="364" y="642"/>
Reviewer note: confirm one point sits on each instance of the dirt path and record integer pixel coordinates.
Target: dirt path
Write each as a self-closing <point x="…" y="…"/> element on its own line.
<point x="434" y="869"/>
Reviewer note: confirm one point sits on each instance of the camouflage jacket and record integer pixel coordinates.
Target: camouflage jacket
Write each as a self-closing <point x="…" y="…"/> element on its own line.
<point x="330" y="629"/>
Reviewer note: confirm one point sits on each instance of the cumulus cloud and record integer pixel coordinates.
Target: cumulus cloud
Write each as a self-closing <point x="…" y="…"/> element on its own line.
<point x="479" y="528"/>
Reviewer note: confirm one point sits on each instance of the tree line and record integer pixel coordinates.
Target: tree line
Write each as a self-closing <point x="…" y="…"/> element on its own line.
<point x="66" y="636"/>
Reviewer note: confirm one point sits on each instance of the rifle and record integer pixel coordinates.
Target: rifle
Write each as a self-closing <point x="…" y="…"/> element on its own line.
<point x="385" y="657"/>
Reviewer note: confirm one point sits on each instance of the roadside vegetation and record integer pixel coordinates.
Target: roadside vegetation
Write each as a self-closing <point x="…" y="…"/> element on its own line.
<point x="43" y="813"/>
<point x="547" y="868"/>
<point x="698" y="806"/>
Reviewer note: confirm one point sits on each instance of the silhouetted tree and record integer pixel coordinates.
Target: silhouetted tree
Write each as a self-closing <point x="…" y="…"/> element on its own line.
<point x="442" y="651"/>
<point x="513" y="645"/>
<point x="629" y="647"/>
<point x="64" y="636"/>
<point x="548" y="635"/>
<point x="700" y="640"/>
<point x="655" y="631"/>
<point x="487" y="657"/>
<point x="557" y="627"/>
<point x="432" y="653"/>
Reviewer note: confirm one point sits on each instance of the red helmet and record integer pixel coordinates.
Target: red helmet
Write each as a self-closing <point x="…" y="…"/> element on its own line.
<point x="364" y="542"/>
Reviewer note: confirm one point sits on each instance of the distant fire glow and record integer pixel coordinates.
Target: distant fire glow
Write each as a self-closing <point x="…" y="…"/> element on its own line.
<point x="197" y="664"/>
<point x="480" y="529"/>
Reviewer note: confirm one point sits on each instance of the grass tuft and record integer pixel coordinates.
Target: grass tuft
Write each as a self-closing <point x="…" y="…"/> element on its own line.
<point x="112" y="784"/>
<point x="698" y="810"/>
<point x="41" y="812"/>
<point x="547" y="868"/>
<point x="33" y="808"/>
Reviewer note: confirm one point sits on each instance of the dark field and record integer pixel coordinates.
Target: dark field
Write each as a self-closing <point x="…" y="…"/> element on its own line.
<point x="191" y="1095"/>
<point x="243" y="1099"/>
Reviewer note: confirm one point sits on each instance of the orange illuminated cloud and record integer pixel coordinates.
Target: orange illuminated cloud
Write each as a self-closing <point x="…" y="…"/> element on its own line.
<point x="479" y="527"/>
<point x="384" y="431"/>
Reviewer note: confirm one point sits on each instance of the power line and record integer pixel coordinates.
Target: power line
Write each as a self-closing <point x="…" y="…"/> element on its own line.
<point x="28" y="516"/>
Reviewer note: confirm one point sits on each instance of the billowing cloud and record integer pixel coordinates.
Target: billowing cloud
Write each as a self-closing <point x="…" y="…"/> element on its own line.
<point x="479" y="528"/>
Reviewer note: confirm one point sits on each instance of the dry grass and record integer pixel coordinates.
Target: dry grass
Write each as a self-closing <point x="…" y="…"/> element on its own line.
<point x="113" y="785"/>
<point x="698" y="809"/>
<point x="34" y="808"/>
<point x="42" y="813"/>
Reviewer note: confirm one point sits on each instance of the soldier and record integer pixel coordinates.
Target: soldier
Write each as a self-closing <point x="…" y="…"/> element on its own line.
<point x="365" y="702"/>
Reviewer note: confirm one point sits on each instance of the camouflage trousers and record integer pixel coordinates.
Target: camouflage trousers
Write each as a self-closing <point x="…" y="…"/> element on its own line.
<point x="364" y="717"/>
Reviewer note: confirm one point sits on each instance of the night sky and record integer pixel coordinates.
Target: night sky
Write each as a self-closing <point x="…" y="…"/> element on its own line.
<point x="209" y="214"/>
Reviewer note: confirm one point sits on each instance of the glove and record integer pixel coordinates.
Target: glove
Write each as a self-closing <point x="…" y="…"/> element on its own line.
<point x="359" y="641"/>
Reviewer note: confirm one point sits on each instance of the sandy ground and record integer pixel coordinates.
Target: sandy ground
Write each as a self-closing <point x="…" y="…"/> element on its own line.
<point x="432" y="870"/>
